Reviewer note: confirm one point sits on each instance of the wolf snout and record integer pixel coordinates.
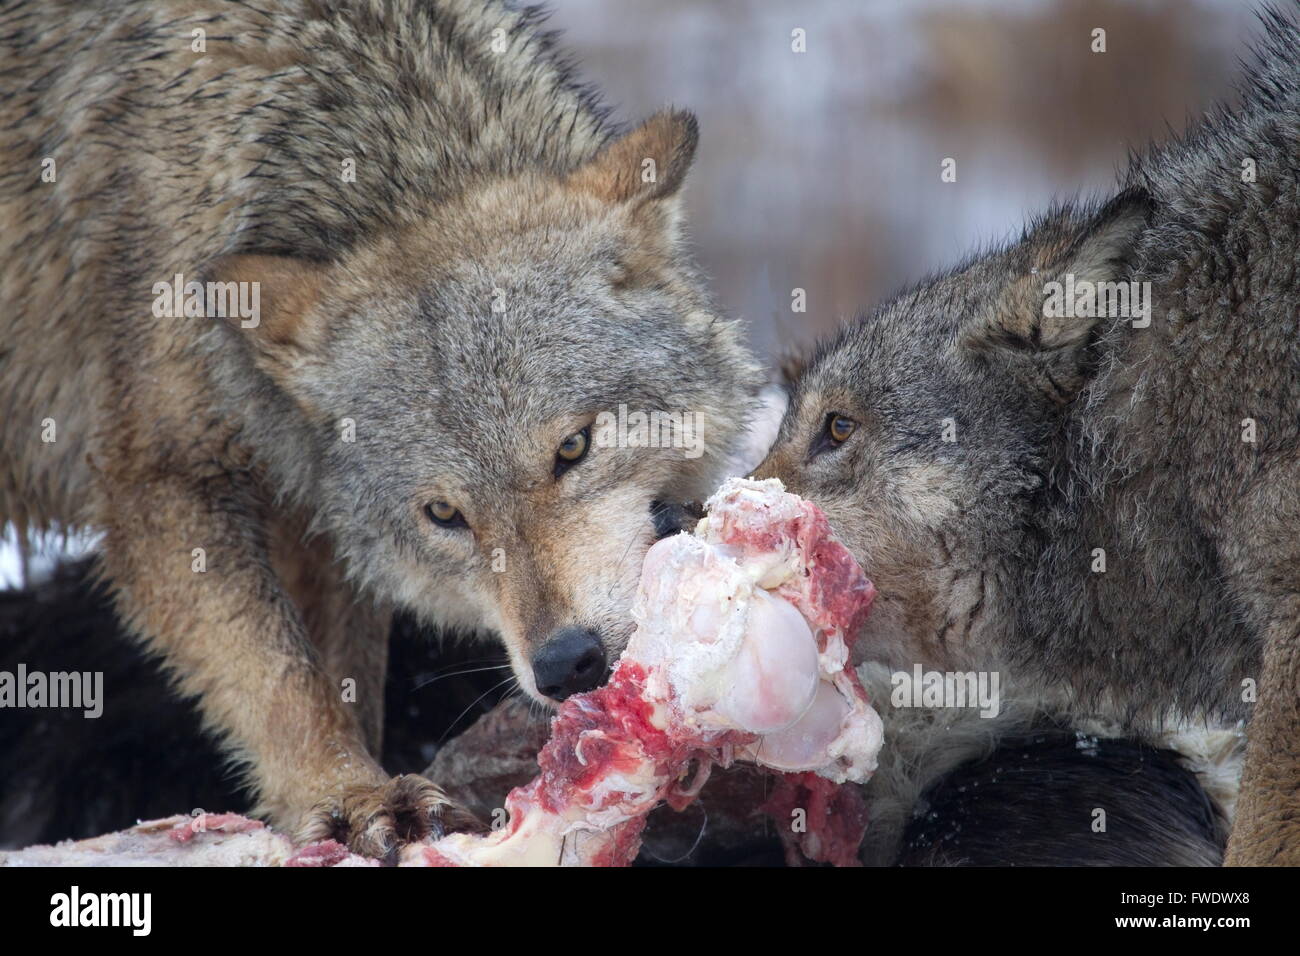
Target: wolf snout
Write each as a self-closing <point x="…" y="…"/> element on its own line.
<point x="571" y="661"/>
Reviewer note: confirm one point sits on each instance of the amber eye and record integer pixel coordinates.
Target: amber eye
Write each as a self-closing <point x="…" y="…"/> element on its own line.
<point x="571" y="451"/>
<point x="441" y="513"/>
<point x="573" y="447"/>
<point x="839" y="428"/>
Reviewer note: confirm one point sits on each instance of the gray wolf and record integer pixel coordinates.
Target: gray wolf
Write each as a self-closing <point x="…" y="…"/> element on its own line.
<point x="433" y="262"/>
<point x="1102" y="501"/>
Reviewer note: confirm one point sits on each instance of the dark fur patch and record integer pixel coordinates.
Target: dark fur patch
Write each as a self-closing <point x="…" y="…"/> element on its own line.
<point x="1034" y="802"/>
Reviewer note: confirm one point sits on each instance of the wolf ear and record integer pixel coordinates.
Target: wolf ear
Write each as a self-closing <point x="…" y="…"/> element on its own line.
<point x="646" y="164"/>
<point x="1028" y="322"/>
<point x="284" y="330"/>
<point x="792" y="366"/>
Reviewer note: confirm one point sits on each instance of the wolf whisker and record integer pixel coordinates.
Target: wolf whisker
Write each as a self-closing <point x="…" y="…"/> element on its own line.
<point x="472" y="670"/>
<point x="472" y="705"/>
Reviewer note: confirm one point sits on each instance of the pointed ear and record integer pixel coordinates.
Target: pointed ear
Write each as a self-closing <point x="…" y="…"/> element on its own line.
<point x="1072" y="285"/>
<point x="792" y="365"/>
<point x="284" y="329"/>
<point x="646" y="164"/>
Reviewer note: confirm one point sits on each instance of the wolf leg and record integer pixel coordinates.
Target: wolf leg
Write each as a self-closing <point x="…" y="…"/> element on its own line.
<point x="192" y="574"/>
<point x="1266" y="831"/>
<point x="348" y="629"/>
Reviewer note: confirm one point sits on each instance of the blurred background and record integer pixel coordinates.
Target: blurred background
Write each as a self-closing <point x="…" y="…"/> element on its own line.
<point x="821" y="170"/>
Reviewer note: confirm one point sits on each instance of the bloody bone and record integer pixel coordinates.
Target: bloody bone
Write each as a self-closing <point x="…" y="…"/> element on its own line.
<point x="741" y="652"/>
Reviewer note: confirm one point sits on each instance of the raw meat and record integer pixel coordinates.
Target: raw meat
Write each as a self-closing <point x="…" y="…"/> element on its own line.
<point x="204" y="839"/>
<point x="741" y="652"/>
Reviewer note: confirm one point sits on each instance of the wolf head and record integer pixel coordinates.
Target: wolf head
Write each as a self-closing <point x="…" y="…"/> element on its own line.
<point x="510" y="398"/>
<point x="929" y="430"/>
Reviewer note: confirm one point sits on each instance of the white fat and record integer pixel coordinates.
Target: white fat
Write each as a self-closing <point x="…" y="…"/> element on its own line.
<point x="773" y="679"/>
<point x="539" y="841"/>
<point x="730" y="654"/>
<point x="728" y="651"/>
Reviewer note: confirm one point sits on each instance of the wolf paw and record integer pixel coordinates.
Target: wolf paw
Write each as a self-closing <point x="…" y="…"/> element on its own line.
<point x="377" y="821"/>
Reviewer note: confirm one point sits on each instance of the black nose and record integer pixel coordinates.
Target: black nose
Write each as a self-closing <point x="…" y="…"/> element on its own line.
<point x="571" y="661"/>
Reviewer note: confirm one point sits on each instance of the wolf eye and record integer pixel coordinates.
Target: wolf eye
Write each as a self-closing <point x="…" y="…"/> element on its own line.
<point x="571" y="451"/>
<point x="839" y="428"/>
<point x="835" y="432"/>
<point x="444" y="515"/>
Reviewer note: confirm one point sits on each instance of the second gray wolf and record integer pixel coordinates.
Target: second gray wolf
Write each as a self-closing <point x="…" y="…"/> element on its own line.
<point x="1077" y="457"/>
